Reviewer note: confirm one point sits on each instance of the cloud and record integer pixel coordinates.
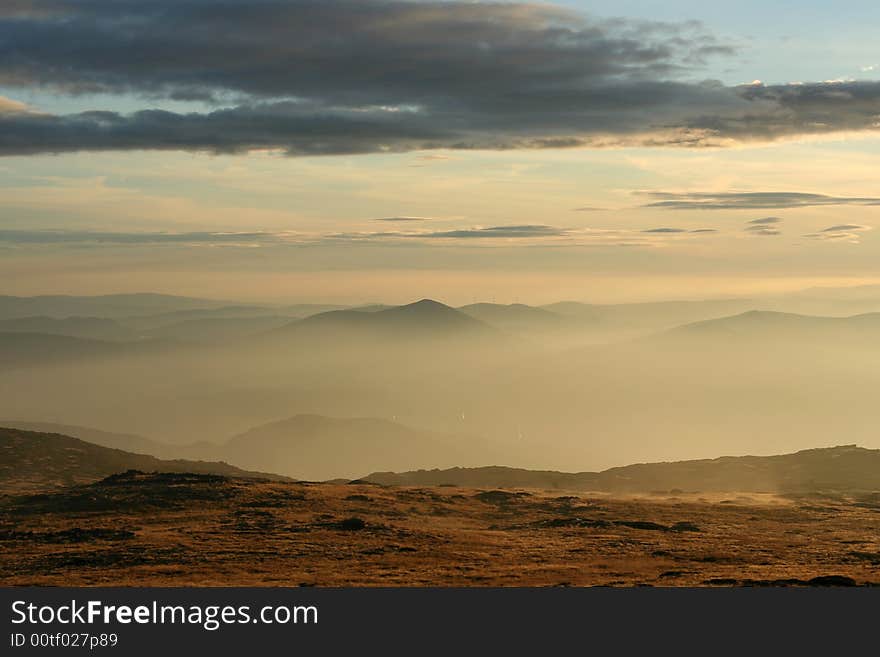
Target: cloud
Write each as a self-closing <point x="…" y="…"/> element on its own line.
<point x="70" y="237"/>
<point x="9" y="106"/>
<point x="840" y="233"/>
<point x="748" y="201"/>
<point x="524" y="235"/>
<point x="537" y="234"/>
<point x="492" y="232"/>
<point x="765" y="226"/>
<point x="347" y="52"/>
<point x="48" y="237"/>
<point x="507" y="232"/>
<point x="793" y="110"/>
<point x="845" y="227"/>
<point x="403" y="219"/>
<point x="763" y="230"/>
<point x="590" y="208"/>
<point x="295" y="128"/>
<point x="316" y="77"/>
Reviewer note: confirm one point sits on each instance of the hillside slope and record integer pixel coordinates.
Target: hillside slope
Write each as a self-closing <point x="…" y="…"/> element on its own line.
<point x="31" y="461"/>
<point x="847" y="468"/>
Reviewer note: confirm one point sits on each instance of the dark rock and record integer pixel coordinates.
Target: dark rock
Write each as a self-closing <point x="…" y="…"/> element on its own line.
<point x="573" y="522"/>
<point x="352" y="524"/>
<point x="497" y="496"/>
<point x="832" y="580"/>
<point x="72" y="535"/>
<point x="871" y="557"/>
<point x="642" y="524"/>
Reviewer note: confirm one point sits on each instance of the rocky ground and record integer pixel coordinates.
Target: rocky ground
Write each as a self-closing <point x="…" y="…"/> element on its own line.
<point x="177" y="529"/>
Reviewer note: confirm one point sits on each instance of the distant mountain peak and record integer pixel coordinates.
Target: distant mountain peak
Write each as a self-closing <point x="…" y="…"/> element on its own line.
<point x="430" y="315"/>
<point x="425" y="304"/>
<point x="423" y="319"/>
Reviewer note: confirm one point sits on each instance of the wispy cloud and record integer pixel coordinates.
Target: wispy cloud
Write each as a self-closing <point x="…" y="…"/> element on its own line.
<point x="537" y="234"/>
<point x="850" y="233"/>
<point x="844" y="228"/>
<point x="134" y="238"/>
<point x="763" y="230"/>
<point x="403" y="219"/>
<point x="515" y="234"/>
<point x="506" y="232"/>
<point x="747" y="200"/>
<point x="487" y="233"/>
<point x="764" y="227"/>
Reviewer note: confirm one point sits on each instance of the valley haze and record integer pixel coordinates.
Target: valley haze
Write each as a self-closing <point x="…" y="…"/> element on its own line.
<point x="318" y="392"/>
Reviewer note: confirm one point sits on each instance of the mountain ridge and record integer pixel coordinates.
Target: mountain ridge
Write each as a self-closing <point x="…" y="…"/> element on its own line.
<point x="768" y="323"/>
<point x="846" y="467"/>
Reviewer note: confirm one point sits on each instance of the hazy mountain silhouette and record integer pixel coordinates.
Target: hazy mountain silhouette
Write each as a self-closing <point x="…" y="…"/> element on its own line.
<point x="583" y="311"/>
<point x="39" y="461"/>
<point x="23" y="349"/>
<point x="318" y="447"/>
<point x="111" y="305"/>
<point x="31" y="349"/>
<point x="848" y="468"/>
<point x="96" y="328"/>
<point x="650" y="316"/>
<point x="157" y="320"/>
<point x="305" y="446"/>
<point x="438" y="369"/>
<point x="517" y="317"/>
<point x="125" y="441"/>
<point x="217" y="329"/>
<point x="425" y="319"/>
<point x="783" y="328"/>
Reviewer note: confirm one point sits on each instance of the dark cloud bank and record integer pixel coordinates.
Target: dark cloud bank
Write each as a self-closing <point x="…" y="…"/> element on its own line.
<point x="366" y="76"/>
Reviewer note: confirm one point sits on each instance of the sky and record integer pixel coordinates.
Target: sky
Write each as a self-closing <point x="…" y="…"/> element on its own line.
<point x="366" y="151"/>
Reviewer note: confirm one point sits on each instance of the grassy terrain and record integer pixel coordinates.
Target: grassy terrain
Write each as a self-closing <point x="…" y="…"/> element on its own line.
<point x="179" y="529"/>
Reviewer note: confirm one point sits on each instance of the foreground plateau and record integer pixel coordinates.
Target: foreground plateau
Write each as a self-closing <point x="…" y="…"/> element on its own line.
<point x="176" y="529"/>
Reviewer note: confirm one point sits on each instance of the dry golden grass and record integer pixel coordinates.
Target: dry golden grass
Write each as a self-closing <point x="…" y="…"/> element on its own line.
<point x="209" y="531"/>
